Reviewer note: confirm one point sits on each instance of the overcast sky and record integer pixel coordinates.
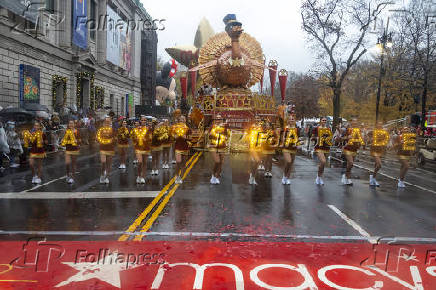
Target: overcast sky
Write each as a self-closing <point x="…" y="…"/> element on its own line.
<point x="275" y="24"/>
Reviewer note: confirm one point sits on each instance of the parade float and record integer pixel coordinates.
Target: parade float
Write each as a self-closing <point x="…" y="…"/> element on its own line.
<point x="231" y="62"/>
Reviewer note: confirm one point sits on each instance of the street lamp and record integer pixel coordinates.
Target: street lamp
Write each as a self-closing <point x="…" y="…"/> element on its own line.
<point x="383" y="42"/>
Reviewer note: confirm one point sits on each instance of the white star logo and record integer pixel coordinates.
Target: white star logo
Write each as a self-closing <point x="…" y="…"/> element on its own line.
<point x="109" y="273"/>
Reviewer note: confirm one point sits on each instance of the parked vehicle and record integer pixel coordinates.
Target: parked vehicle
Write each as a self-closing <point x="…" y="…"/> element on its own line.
<point x="427" y="153"/>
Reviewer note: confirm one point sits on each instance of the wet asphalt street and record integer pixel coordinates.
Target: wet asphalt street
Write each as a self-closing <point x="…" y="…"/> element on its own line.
<point x="233" y="209"/>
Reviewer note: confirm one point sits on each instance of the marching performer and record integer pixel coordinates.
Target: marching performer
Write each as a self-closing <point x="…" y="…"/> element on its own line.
<point x="380" y="139"/>
<point x="71" y="141"/>
<point x="156" y="145"/>
<point x="323" y="136"/>
<point x="289" y="147"/>
<point x="123" y="143"/>
<point x="255" y="144"/>
<point x="406" y="144"/>
<point x="353" y="139"/>
<point x="106" y="138"/>
<point x="137" y="124"/>
<point x="219" y="135"/>
<point x="180" y="132"/>
<point x="271" y="139"/>
<point x="166" y="144"/>
<point x="35" y="140"/>
<point x="141" y="137"/>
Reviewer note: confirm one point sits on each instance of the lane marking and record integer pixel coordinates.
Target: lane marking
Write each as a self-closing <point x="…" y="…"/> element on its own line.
<point x="389" y="176"/>
<point x="217" y="235"/>
<point x="353" y="224"/>
<point x="157" y="212"/>
<point x="137" y="222"/>
<point x="78" y="195"/>
<point x="44" y="184"/>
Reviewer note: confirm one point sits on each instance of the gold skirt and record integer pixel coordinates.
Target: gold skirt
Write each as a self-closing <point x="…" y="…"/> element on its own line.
<point x="183" y="152"/>
<point x="269" y="152"/>
<point x="142" y="152"/>
<point x="107" y="153"/>
<point x="322" y="151"/>
<point x="73" y="152"/>
<point x="404" y="157"/>
<point x="38" y="155"/>
<point x="349" y="153"/>
<point x="157" y="148"/>
<point x="289" y="151"/>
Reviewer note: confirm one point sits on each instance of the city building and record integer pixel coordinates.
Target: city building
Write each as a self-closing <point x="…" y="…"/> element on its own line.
<point x="83" y="54"/>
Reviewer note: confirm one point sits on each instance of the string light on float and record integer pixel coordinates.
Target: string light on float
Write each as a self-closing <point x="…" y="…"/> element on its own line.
<point x="380" y="138"/>
<point x="69" y="138"/>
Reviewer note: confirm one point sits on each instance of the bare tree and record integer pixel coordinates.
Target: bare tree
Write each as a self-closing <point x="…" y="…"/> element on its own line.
<point x="418" y="25"/>
<point x="337" y="30"/>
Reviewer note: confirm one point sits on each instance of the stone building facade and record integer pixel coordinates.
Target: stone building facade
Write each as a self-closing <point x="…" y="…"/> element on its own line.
<point x="41" y="38"/>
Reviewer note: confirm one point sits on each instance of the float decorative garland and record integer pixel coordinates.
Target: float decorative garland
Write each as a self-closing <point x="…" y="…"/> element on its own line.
<point x="57" y="80"/>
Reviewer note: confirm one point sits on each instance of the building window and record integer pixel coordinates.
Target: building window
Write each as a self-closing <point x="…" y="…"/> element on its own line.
<point x="93" y="20"/>
<point x="50" y="6"/>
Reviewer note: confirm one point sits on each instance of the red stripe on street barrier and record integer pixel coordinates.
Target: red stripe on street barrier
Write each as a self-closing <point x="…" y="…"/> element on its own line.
<point x="40" y="264"/>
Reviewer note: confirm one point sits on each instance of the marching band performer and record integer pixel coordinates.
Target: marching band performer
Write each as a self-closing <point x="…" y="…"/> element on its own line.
<point x="136" y="124"/>
<point x="166" y="144"/>
<point x="219" y="135"/>
<point x="180" y="132"/>
<point x="71" y="141"/>
<point x="106" y="138"/>
<point x="353" y="139"/>
<point x="270" y="143"/>
<point x="35" y="140"/>
<point x="123" y="143"/>
<point x="156" y="145"/>
<point x="141" y="137"/>
<point x="380" y="139"/>
<point x="323" y="136"/>
<point x="255" y="144"/>
<point x="289" y="147"/>
<point x="406" y="144"/>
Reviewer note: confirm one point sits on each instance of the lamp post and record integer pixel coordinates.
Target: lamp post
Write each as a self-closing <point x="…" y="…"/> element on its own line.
<point x="385" y="41"/>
